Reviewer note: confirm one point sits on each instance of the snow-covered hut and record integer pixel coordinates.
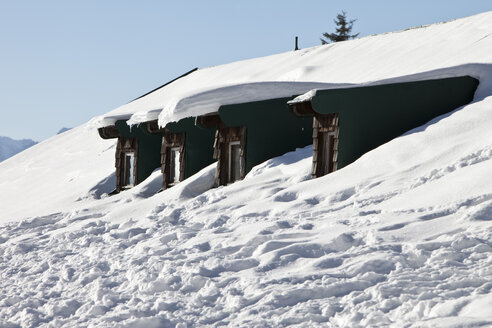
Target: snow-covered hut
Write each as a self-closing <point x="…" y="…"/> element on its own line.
<point x="252" y="132"/>
<point x="137" y="153"/>
<point x="406" y="56"/>
<point x="349" y="122"/>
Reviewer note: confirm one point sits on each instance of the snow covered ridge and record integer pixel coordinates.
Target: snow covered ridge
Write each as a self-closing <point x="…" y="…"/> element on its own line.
<point x="373" y="58"/>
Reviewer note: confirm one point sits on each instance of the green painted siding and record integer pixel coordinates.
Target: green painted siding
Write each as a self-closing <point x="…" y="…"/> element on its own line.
<point x="199" y="144"/>
<point x="271" y="128"/>
<point x="371" y="116"/>
<point x="149" y="148"/>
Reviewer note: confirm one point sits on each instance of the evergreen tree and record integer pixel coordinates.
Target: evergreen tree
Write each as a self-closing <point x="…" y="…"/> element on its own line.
<point x="343" y="30"/>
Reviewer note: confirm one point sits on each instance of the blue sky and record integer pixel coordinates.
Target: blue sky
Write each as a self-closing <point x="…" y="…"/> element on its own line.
<point x="64" y="62"/>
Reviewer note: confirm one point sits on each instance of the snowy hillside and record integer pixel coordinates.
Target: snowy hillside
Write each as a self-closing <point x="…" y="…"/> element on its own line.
<point x="400" y="238"/>
<point x="9" y="147"/>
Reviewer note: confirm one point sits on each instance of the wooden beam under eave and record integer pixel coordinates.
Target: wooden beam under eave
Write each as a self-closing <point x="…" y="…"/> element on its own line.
<point x="108" y="132"/>
<point x="209" y="121"/>
<point x="153" y="127"/>
<point x="302" y="108"/>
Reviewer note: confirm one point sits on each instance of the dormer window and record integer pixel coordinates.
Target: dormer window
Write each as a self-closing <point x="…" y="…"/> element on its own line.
<point x="126" y="163"/>
<point x="230" y="153"/>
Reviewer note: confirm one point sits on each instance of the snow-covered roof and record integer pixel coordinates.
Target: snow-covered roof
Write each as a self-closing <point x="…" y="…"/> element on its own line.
<point x="474" y="70"/>
<point x="397" y="56"/>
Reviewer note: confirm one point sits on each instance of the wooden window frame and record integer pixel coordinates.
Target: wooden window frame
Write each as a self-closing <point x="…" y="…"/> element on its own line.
<point x="124" y="146"/>
<point x="241" y="162"/>
<point x="325" y="127"/>
<point x="223" y="137"/>
<point x="172" y="141"/>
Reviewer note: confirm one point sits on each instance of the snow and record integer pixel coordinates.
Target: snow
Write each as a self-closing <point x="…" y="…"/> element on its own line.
<point x="400" y="238"/>
<point x="434" y="51"/>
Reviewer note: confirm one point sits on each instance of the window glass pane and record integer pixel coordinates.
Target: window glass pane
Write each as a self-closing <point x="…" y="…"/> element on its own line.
<point x="235" y="162"/>
<point x="174" y="165"/>
<point x="327" y="152"/>
<point x="128" y="167"/>
<point x="171" y="166"/>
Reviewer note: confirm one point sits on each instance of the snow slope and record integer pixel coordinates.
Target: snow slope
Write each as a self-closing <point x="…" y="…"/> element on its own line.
<point x="9" y="147"/>
<point x="400" y="238"/>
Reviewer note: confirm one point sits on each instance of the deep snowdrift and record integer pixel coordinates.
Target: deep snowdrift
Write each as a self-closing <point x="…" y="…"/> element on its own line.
<point x="401" y="238"/>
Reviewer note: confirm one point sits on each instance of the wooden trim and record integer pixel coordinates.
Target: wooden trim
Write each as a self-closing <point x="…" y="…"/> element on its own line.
<point x="171" y="140"/>
<point x="118" y="164"/>
<point x="125" y="145"/>
<point x="108" y="132"/>
<point x="153" y="127"/>
<point x="325" y="130"/>
<point x="223" y="138"/>
<point x="243" y="150"/>
<point x="135" y="165"/>
<point x="210" y="121"/>
<point x="218" y="151"/>
<point x="302" y="109"/>
<point x="216" y="145"/>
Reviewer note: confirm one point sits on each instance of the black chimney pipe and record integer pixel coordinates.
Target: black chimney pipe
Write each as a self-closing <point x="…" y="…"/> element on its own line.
<point x="297" y="47"/>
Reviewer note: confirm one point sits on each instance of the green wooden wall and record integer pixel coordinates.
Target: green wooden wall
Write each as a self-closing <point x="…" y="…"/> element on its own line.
<point x="149" y="148"/>
<point x="199" y="144"/>
<point x="373" y="115"/>
<point x="271" y="128"/>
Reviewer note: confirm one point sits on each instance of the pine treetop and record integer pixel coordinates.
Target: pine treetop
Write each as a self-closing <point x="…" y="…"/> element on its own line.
<point x="342" y="31"/>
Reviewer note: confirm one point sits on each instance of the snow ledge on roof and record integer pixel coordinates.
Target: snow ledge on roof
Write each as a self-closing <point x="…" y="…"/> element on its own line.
<point x="478" y="71"/>
<point x="209" y="101"/>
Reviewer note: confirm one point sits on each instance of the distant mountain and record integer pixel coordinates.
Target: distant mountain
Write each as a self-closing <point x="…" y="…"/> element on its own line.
<point x="63" y="130"/>
<point x="9" y="147"/>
